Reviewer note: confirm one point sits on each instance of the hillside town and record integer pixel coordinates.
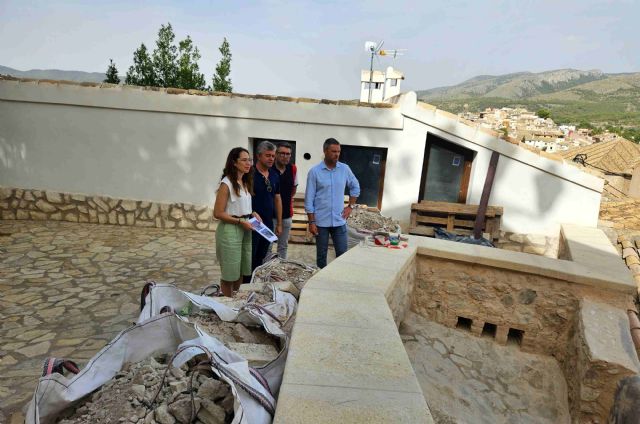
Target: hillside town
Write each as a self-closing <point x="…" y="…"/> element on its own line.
<point x="522" y="125"/>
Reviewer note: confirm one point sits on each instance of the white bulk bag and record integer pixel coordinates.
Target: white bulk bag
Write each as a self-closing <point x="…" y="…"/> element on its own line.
<point x="164" y="333"/>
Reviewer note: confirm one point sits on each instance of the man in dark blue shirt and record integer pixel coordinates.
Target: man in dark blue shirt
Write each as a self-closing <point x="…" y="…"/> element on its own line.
<point x="266" y="199"/>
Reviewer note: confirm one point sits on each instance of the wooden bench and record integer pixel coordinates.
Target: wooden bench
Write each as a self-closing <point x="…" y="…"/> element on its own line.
<point x="453" y="217"/>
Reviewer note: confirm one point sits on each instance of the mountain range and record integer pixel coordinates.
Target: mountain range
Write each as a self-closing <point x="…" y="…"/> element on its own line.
<point x="54" y="74"/>
<point x="571" y="95"/>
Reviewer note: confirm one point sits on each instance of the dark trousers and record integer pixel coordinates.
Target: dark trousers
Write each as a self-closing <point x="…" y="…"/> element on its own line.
<point x="260" y="248"/>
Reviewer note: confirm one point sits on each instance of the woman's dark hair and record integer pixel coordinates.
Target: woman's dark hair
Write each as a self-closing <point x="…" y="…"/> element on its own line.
<point x="231" y="172"/>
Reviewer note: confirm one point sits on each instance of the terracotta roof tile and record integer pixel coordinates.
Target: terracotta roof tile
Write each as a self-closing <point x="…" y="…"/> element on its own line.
<point x="619" y="155"/>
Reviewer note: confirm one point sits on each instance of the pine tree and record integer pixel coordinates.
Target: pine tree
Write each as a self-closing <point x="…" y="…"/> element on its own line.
<point x="188" y="74"/>
<point x="165" y="56"/>
<point x="221" y="80"/>
<point x="112" y="73"/>
<point x="141" y="72"/>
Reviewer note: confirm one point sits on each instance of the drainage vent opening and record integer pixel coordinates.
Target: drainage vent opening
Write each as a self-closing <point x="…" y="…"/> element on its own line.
<point x="464" y="323"/>
<point x="489" y="330"/>
<point x="515" y="336"/>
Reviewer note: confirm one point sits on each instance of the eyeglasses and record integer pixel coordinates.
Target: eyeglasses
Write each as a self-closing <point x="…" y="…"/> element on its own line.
<point x="268" y="183"/>
<point x="284" y="154"/>
<point x="247" y="160"/>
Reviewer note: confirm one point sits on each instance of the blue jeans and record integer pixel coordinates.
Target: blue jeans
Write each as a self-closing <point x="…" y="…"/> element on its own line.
<point x="339" y="237"/>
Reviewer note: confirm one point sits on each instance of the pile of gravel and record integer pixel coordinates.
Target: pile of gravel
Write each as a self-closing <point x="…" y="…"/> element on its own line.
<point x="284" y="270"/>
<point x="363" y="219"/>
<point x="129" y="398"/>
<point x="231" y="332"/>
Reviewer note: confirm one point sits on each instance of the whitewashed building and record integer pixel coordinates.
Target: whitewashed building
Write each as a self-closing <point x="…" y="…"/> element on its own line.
<point x="169" y="145"/>
<point x="382" y="85"/>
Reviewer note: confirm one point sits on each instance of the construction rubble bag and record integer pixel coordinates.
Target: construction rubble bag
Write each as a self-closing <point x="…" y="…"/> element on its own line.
<point x="272" y="317"/>
<point x="161" y="334"/>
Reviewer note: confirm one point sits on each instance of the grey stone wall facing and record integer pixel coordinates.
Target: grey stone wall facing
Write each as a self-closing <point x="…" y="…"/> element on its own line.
<point x="17" y="203"/>
<point x="584" y="328"/>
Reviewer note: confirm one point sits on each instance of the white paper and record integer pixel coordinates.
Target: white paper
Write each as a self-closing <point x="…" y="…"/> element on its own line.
<point x="263" y="230"/>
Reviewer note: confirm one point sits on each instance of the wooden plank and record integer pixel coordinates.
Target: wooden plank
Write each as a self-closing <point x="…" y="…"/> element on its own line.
<point x="414" y="219"/>
<point x="421" y="219"/>
<point x="421" y="231"/>
<point x="450" y="219"/>
<point x="445" y="207"/>
<point x="486" y="192"/>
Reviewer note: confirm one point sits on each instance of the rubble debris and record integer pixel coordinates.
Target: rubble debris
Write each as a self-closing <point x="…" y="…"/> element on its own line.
<point x="278" y="270"/>
<point x="183" y="398"/>
<point x="231" y="332"/>
<point x="363" y="219"/>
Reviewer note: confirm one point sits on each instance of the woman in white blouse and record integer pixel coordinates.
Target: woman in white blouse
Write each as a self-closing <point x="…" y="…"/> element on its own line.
<point x="233" y="209"/>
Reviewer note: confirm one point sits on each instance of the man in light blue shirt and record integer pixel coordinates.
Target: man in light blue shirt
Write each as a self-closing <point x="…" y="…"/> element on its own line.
<point x="324" y="201"/>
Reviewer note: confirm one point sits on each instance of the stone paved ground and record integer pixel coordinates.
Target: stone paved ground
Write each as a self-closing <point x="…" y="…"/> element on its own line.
<point x="67" y="289"/>
<point x="468" y="379"/>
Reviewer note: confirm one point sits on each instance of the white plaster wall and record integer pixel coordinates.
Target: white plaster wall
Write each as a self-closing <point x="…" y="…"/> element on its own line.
<point x="145" y="145"/>
<point x="156" y="154"/>
<point x="537" y="194"/>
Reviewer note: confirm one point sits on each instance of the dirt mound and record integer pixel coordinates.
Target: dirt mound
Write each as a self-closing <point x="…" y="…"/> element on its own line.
<point x="364" y="219"/>
<point x="130" y="397"/>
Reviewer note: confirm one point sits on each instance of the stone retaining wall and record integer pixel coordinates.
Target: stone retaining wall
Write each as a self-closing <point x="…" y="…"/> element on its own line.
<point x="537" y="310"/>
<point x="581" y="324"/>
<point x="16" y="203"/>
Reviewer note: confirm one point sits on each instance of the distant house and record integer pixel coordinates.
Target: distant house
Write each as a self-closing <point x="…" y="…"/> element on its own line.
<point x="382" y="86"/>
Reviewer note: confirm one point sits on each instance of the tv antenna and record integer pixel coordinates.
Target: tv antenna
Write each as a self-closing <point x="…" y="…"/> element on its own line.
<point x="375" y="49"/>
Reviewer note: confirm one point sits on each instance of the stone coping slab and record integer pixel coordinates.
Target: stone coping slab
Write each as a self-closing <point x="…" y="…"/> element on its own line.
<point x="586" y="245"/>
<point x="592" y="274"/>
<point x="346" y="360"/>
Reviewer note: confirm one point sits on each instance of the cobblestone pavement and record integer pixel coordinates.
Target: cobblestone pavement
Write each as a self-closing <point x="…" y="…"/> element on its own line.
<point x="67" y="289"/>
<point x="468" y="379"/>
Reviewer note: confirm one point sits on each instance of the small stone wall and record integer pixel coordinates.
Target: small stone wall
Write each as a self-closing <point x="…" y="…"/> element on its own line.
<point x="16" y="203"/>
<point x="535" y="244"/>
<point x="584" y="327"/>
<point x="400" y="294"/>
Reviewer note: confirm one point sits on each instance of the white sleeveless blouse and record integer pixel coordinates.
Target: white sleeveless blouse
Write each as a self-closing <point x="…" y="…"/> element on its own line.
<point x="237" y="205"/>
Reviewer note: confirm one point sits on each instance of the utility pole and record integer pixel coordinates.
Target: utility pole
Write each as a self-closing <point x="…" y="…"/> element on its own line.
<point x="373" y="53"/>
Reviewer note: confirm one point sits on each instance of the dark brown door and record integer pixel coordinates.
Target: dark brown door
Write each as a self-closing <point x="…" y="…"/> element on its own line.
<point x="446" y="171"/>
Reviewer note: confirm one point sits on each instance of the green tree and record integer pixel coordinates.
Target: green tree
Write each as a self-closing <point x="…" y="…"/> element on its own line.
<point x="165" y="57"/>
<point x="221" y="80"/>
<point x="543" y="113"/>
<point x="141" y="72"/>
<point x="188" y="74"/>
<point x="585" y="124"/>
<point x="112" y="73"/>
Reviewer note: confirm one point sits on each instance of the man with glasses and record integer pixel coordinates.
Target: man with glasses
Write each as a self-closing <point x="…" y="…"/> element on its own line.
<point x="288" y="184"/>
<point x="324" y="201"/>
<point x="266" y="199"/>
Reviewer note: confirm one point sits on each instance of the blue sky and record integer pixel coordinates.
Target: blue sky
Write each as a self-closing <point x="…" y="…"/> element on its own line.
<point x="316" y="49"/>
